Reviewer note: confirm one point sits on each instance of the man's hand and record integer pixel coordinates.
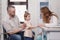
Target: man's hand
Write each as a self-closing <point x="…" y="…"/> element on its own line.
<point x="23" y="26"/>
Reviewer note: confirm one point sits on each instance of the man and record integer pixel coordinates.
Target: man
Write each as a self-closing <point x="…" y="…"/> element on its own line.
<point x="12" y="24"/>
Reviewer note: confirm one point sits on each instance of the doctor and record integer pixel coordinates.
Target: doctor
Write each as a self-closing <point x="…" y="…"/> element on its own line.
<point x="49" y="19"/>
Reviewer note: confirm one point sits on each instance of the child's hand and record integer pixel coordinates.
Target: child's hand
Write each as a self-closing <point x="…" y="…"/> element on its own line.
<point x="40" y="25"/>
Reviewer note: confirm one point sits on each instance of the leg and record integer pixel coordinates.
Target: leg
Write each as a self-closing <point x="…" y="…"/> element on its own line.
<point x="15" y="37"/>
<point x="39" y="37"/>
<point x="33" y="34"/>
<point x="21" y="34"/>
<point x="27" y="38"/>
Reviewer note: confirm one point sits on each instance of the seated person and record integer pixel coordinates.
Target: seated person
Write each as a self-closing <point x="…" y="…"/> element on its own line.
<point x="12" y="25"/>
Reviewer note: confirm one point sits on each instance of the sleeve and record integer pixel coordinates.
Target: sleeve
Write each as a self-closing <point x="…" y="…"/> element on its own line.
<point x="7" y="27"/>
<point x="54" y="22"/>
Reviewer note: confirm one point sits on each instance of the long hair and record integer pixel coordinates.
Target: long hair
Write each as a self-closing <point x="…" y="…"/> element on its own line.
<point x="47" y="14"/>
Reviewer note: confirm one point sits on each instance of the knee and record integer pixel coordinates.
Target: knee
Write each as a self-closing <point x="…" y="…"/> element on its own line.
<point x="18" y="37"/>
<point x="15" y="37"/>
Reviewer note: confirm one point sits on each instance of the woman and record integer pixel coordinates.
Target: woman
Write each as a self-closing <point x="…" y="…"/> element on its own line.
<point x="49" y="19"/>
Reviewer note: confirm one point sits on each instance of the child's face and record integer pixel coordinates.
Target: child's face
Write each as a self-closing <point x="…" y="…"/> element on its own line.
<point x="28" y="18"/>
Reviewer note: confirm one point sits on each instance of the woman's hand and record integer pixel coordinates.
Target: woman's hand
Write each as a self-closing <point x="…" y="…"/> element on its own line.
<point x="41" y="25"/>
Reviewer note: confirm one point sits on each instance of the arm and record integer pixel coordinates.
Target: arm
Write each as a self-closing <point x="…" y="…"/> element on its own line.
<point x="10" y="30"/>
<point x="31" y="26"/>
<point x="15" y="30"/>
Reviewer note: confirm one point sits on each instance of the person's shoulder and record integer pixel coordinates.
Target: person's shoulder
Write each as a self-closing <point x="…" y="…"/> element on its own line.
<point x="54" y="15"/>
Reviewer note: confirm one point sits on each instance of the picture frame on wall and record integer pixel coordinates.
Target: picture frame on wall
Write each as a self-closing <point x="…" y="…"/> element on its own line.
<point x="43" y="4"/>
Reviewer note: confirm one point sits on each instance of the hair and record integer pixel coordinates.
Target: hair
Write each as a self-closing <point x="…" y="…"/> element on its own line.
<point x="10" y="6"/>
<point x="46" y="19"/>
<point x="26" y="14"/>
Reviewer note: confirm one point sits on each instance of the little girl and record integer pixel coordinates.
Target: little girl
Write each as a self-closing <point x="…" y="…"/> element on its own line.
<point x="28" y="30"/>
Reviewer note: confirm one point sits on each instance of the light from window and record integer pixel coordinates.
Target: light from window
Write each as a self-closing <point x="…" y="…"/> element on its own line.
<point x="17" y="0"/>
<point x="20" y="10"/>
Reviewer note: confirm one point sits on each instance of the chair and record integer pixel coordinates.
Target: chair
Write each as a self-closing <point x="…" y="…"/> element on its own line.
<point x="33" y="34"/>
<point x="6" y="37"/>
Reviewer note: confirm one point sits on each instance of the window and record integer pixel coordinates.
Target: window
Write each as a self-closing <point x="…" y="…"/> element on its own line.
<point x="21" y="6"/>
<point x="17" y="0"/>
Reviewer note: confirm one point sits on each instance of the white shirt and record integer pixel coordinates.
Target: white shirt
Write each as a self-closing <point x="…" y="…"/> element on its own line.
<point x="28" y="32"/>
<point x="10" y="24"/>
<point x="53" y="22"/>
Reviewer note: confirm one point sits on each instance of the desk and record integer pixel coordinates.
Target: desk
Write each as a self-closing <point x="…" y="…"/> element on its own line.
<point x="52" y="33"/>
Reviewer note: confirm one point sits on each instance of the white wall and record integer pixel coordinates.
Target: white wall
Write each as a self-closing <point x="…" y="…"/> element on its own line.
<point x="34" y="10"/>
<point x="1" y="31"/>
<point x="4" y="12"/>
<point x="4" y="8"/>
